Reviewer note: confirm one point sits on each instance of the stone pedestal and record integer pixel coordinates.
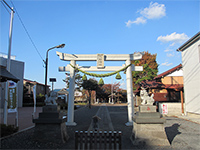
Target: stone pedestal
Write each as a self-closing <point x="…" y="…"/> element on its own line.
<point x="50" y="126"/>
<point x="148" y="127"/>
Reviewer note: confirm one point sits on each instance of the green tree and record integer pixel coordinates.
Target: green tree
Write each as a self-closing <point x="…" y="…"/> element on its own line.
<point x="90" y="85"/>
<point x="78" y="80"/>
<point x="150" y="68"/>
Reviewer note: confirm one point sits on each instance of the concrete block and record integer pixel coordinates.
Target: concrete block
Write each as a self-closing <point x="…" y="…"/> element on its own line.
<point x="149" y="134"/>
<point x="50" y="126"/>
<point x="49" y="115"/>
<point x="149" y="120"/>
<point x="50" y="108"/>
<point x="147" y="108"/>
<point x="148" y="115"/>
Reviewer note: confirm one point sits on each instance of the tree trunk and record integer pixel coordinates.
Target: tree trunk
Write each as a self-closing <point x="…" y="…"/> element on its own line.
<point x="89" y="98"/>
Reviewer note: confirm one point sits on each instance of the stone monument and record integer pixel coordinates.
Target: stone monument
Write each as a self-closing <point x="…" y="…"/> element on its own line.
<point x="148" y="125"/>
<point x="50" y="126"/>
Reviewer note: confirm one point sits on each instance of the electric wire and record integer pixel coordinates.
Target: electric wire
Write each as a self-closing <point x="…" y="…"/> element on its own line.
<point x="5" y="7"/>
<point x="27" y="32"/>
<point x="8" y="6"/>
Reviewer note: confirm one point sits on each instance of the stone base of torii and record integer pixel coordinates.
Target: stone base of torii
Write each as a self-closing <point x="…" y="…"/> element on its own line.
<point x="100" y="58"/>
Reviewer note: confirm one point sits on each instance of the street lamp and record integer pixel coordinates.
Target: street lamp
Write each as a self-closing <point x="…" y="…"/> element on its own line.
<point x="46" y="65"/>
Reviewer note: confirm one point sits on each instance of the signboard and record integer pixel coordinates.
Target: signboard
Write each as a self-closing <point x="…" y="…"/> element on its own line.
<point x="164" y="109"/>
<point x="100" y="61"/>
<point x="12" y="96"/>
<point x="34" y="99"/>
<point x="52" y="79"/>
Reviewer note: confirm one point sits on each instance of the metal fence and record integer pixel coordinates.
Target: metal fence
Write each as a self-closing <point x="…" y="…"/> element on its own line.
<point x="87" y="140"/>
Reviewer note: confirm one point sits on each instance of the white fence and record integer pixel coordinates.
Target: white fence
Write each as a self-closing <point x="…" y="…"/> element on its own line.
<point x="170" y="108"/>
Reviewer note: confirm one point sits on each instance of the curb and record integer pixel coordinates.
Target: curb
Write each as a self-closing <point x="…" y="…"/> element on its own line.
<point x="186" y="119"/>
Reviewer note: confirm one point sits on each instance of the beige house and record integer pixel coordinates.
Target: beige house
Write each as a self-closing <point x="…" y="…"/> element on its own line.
<point x="172" y="80"/>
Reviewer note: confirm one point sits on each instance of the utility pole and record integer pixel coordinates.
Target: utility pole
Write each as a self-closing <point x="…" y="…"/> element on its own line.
<point x="8" y="64"/>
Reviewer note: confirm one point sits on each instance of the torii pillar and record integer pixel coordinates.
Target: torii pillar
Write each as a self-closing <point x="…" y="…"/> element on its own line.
<point x="70" y="115"/>
<point x="100" y="67"/>
<point x="129" y="85"/>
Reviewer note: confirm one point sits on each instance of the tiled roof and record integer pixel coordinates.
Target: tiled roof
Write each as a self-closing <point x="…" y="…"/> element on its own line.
<point x="176" y="87"/>
<point x="168" y="71"/>
<point x="35" y="82"/>
<point x="158" y="85"/>
<point x="152" y="84"/>
<point x="6" y="75"/>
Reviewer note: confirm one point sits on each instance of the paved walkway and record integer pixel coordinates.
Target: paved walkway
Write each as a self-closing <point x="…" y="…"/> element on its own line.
<point x="182" y="134"/>
<point x="25" y="117"/>
<point x="104" y="121"/>
<point x="190" y="117"/>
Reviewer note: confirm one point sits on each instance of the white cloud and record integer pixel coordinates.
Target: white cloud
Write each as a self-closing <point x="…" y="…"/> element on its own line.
<point x="172" y="44"/>
<point x="174" y="37"/>
<point x="166" y="64"/>
<point x="154" y="11"/>
<point x="139" y="20"/>
<point x="170" y="54"/>
<point x="168" y="50"/>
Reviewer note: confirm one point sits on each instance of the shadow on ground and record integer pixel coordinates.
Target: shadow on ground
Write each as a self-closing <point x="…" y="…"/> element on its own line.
<point x="172" y="132"/>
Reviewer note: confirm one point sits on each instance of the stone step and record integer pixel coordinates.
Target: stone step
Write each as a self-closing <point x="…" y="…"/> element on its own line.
<point x="50" y="115"/>
<point x="149" y="120"/>
<point x="49" y="121"/>
<point x="148" y="115"/>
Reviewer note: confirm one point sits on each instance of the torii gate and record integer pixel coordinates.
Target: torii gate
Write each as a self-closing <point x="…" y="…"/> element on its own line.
<point x="100" y="58"/>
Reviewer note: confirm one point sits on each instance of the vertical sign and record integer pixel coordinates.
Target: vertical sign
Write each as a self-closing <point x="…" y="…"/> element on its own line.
<point x="100" y="61"/>
<point x="12" y="96"/>
<point x="164" y="109"/>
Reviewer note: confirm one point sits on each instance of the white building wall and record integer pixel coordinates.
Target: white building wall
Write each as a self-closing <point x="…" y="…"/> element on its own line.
<point x="177" y="73"/>
<point x="191" y="77"/>
<point x="17" y="69"/>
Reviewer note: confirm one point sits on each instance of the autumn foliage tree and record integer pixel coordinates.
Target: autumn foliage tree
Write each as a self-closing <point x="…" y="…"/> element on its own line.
<point x="107" y="89"/>
<point x="150" y="68"/>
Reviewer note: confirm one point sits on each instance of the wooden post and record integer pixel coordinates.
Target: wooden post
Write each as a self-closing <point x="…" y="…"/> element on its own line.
<point x="182" y="101"/>
<point x="76" y="140"/>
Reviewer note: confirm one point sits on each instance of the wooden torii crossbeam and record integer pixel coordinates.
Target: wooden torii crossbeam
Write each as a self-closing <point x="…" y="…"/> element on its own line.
<point x="100" y="58"/>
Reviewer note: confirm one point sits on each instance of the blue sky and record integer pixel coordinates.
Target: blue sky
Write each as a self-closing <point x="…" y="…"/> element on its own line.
<point x="91" y="27"/>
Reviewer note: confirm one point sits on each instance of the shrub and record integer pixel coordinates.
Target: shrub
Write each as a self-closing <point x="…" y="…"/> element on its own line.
<point x="8" y="129"/>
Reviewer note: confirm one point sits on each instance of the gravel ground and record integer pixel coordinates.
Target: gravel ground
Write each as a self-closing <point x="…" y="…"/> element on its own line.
<point x="181" y="134"/>
<point x="24" y="140"/>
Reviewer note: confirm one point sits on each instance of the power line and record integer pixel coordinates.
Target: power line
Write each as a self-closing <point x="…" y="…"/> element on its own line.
<point x="8" y="6"/>
<point x="27" y="32"/>
<point x="5" y="7"/>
